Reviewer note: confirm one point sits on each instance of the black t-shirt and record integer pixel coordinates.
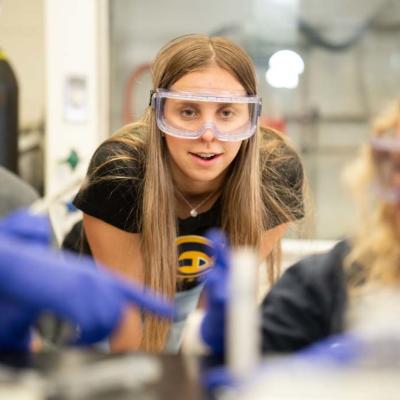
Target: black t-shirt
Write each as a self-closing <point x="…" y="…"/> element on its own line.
<point x="307" y="304"/>
<point x="118" y="201"/>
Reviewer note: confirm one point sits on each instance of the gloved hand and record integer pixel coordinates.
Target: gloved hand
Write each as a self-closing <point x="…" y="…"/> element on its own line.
<point x="212" y="329"/>
<point x="34" y="279"/>
<point x="15" y="321"/>
<point x="23" y="225"/>
<point x="339" y="349"/>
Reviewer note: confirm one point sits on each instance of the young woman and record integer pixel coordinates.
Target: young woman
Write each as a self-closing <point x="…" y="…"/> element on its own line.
<point x="195" y="160"/>
<point x="322" y="294"/>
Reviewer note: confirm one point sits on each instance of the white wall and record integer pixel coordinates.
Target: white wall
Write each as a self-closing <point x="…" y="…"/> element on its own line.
<point x="77" y="85"/>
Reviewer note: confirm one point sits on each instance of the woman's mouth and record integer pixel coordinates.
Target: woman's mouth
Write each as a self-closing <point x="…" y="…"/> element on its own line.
<point x="205" y="158"/>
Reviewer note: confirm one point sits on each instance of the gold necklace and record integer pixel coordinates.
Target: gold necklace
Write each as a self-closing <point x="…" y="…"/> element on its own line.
<point x="193" y="210"/>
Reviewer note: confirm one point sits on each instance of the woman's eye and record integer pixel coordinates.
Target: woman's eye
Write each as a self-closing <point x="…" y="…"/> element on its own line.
<point x="227" y="113"/>
<point x="188" y="113"/>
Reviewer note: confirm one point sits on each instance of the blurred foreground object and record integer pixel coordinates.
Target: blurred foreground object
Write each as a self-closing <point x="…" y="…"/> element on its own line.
<point x="78" y="374"/>
<point x="14" y="192"/>
<point x="8" y="115"/>
<point x="35" y="279"/>
<point x="243" y="344"/>
<point x="362" y="363"/>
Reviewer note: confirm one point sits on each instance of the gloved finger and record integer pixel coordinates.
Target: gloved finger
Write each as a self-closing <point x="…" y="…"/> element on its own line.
<point x="216" y="378"/>
<point x="216" y="286"/>
<point x="23" y="225"/>
<point x="99" y="319"/>
<point x="93" y="330"/>
<point x="219" y="248"/>
<point x="144" y="298"/>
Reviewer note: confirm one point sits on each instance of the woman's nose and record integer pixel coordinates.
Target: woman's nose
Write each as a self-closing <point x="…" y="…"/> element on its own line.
<point x="208" y="135"/>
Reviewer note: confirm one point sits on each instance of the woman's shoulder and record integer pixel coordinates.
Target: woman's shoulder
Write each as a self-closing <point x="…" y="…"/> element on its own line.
<point x="326" y="268"/>
<point x="112" y="189"/>
<point x="307" y="303"/>
<point x="118" y="155"/>
<point x="316" y="279"/>
<point x="121" y="144"/>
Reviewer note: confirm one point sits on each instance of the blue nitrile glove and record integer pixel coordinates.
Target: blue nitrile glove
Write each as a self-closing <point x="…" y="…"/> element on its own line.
<point x="23" y="225"/>
<point x="16" y="321"/>
<point x="213" y="325"/>
<point x="34" y="279"/>
<point x="335" y="351"/>
<point x="338" y="349"/>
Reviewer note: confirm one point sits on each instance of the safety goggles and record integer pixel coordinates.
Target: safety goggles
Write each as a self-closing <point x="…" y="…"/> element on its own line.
<point x="189" y="115"/>
<point x="386" y="157"/>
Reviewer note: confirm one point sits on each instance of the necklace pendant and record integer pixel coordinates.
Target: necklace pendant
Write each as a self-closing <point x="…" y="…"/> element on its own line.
<point x="194" y="213"/>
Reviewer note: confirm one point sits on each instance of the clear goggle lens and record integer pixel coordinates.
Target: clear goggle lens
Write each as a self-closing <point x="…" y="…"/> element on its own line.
<point x="189" y="115"/>
<point x="386" y="158"/>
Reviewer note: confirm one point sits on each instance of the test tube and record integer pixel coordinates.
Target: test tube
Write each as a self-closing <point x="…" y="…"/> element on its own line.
<point x="242" y="314"/>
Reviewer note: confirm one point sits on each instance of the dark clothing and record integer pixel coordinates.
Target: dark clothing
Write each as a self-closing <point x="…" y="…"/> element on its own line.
<point x="307" y="304"/>
<point x="118" y="201"/>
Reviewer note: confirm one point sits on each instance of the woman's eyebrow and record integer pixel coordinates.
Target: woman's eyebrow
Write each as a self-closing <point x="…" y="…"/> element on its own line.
<point x="186" y="102"/>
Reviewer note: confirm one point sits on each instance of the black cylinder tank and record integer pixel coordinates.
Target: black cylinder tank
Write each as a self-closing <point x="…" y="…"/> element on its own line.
<point x="8" y="116"/>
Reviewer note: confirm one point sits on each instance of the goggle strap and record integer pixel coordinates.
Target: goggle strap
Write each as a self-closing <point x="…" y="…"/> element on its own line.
<point x="151" y="99"/>
<point x="259" y="108"/>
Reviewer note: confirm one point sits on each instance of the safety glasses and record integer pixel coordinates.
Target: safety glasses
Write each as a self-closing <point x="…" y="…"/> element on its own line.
<point x="189" y="115"/>
<point x="386" y="157"/>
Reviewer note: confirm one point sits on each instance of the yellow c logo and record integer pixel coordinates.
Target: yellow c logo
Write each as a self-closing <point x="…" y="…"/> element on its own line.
<point x="194" y="256"/>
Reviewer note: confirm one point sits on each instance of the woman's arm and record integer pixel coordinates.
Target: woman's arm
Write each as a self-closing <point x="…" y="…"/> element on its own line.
<point x="120" y="251"/>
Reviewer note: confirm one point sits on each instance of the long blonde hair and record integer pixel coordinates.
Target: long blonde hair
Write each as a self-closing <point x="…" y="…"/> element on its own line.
<point x="244" y="216"/>
<point x="375" y="243"/>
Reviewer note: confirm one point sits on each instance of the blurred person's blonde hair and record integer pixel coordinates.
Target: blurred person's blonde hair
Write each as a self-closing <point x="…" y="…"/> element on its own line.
<point x="374" y="258"/>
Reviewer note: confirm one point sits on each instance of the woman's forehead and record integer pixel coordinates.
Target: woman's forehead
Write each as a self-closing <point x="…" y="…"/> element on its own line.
<point x="212" y="79"/>
<point x="178" y="103"/>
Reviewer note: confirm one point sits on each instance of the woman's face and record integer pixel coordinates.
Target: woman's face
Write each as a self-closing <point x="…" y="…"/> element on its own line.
<point x="201" y="164"/>
<point x="386" y="158"/>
